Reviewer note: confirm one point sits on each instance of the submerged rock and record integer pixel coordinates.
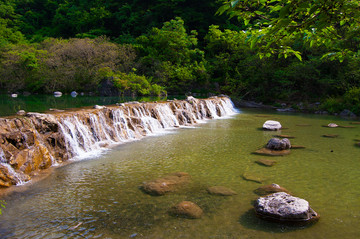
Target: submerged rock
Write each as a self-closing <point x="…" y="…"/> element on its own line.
<point x="278" y="144"/>
<point x="269" y="152"/>
<point x="283" y="207"/>
<point x="187" y="209"/>
<point x="166" y="184"/>
<point x="272" y="125"/>
<point x="220" y="190"/>
<point x="250" y="177"/>
<point x="266" y="162"/>
<point x="330" y="135"/>
<point x="269" y="189"/>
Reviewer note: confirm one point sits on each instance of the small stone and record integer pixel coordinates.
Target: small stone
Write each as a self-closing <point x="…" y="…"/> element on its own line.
<point x="57" y="93"/>
<point x="272" y="125"/>
<point x="166" y="184"/>
<point x="269" y="189"/>
<point x="187" y="209"/>
<point x="99" y="107"/>
<point x="220" y="190"/>
<point x="332" y="125"/>
<point x="21" y="112"/>
<point x="266" y="162"/>
<point x="278" y="144"/>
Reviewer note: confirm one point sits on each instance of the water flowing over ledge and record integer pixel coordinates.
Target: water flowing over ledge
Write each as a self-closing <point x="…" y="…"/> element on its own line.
<point x="38" y="141"/>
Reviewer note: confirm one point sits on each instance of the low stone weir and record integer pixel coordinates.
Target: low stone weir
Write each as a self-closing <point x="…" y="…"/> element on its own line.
<point x="38" y="141"/>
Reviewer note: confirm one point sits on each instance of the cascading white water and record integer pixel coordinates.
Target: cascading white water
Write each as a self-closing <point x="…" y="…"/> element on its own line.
<point x="86" y="133"/>
<point x="131" y="122"/>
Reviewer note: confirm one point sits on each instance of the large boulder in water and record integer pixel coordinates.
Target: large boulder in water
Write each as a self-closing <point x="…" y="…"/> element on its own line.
<point x="187" y="209"/>
<point x="272" y="125"/>
<point x="278" y="144"/>
<point x="166" y="184"/>
<point x="283" y="207"/>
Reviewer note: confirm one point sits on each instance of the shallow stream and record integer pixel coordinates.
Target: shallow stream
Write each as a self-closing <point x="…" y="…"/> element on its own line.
<point x="100" y="197"/>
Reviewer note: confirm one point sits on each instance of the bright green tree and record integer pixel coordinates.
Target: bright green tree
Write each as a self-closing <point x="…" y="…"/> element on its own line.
<point x="274" y="25"/>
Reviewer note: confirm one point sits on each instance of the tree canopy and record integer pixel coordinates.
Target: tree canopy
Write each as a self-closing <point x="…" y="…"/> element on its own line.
<point x="274" y="25"/>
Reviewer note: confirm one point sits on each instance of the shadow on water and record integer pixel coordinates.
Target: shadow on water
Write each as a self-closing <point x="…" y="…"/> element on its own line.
<point x="251" y="221"/>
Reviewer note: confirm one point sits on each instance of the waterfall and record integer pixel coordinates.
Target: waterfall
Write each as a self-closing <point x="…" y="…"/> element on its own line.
<point x="79" y="134"/>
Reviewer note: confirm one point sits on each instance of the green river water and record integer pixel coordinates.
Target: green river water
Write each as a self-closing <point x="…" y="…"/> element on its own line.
<point x="100" y="197"/>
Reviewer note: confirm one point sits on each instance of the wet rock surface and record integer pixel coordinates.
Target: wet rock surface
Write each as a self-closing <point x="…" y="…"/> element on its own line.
<point x="251" y="177"/>
<point x="278" y="144"/>
<point x="221" y="191"/>
<point x="187" y="209"/>
<point x="283" y="207"/>
<point x="266" y="162"/>
<point x="166" y="184"/>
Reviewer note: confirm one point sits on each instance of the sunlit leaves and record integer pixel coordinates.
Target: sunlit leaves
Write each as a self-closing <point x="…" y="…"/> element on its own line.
<point x="283" y="21"/>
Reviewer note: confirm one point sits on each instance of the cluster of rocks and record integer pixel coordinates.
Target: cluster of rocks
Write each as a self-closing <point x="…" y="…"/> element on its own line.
<point x="275" y="202"/>
<point x="177" y="181"/>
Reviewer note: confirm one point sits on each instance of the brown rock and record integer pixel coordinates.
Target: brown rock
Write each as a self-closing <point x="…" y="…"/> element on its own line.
<point x="166" y="184"/>
<point x="220" y="190"/>
<point x="269" y="189"/>
<point x="266" y="162"/>
<point x="187" y="209"/>
<point x="6" y="179"/>
<point x="269" y="152"/>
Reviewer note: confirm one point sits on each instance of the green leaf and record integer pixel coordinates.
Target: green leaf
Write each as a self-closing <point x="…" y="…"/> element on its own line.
<point x="234" y="3"/>
<point x="298" y="56"/>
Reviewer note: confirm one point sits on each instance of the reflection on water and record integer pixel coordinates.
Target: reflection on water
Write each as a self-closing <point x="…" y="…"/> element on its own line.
<point x="100" y="197"/>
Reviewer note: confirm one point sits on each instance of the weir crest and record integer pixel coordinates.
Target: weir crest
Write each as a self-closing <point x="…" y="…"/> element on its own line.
<point x="38" y="141"/>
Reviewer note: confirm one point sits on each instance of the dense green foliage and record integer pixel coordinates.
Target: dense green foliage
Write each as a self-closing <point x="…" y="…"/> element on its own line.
<point x="270" y="50"/>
